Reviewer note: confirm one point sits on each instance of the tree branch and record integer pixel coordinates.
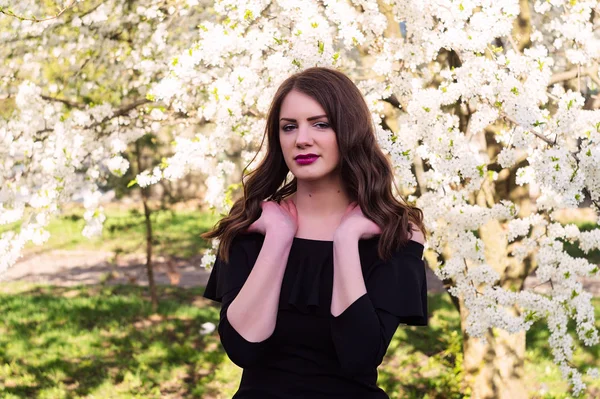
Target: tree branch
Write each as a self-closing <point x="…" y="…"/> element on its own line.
<point x="393" y="100"/>
<point x="592" y="72"/>
<point x="10" y="13"/>
<point x="120" y="112"/>
<point x="67" y="102"/>
<point x="546" y="139"/>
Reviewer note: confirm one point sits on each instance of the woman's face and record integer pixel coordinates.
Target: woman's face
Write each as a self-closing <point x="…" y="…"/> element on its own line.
<point x="298" y="136"/>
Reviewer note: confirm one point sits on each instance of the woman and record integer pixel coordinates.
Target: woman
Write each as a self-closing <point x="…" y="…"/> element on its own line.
<point x="315" y="280"/>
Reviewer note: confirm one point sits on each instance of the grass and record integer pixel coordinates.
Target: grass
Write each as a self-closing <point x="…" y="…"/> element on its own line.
<point x="105" y="342"/>
<point x="574" y="250"/>
<point x="176" y="233"/>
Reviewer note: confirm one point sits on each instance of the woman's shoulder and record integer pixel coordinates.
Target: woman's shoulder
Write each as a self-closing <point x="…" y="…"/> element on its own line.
<point x="417" y="234"/>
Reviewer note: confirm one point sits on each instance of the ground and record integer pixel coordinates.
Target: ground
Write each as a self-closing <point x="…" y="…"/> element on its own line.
<point x="73" y="267"/>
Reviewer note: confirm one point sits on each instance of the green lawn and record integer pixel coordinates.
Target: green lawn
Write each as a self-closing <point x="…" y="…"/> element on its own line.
<point x="176" y="233"/>
<point x="105" y="342"/>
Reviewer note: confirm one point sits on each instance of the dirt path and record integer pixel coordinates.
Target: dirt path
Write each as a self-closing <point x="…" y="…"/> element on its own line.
<point x="67" y="268"/>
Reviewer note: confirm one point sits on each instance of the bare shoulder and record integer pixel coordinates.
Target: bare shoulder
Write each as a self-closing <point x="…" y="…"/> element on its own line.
<point x="417" y="234"/>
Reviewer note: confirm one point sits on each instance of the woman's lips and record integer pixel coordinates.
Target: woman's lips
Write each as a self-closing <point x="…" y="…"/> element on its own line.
<point x="306" y="161"/>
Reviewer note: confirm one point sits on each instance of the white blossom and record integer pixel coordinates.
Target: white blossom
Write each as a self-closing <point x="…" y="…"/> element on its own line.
<point x="222" y="76"/>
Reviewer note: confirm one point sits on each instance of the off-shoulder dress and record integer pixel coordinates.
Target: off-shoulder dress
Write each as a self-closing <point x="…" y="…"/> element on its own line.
<point x="312" y="354"/>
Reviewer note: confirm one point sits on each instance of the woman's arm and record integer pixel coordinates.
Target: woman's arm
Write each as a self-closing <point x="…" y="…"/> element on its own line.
<point x="361" y="333"/>
<point x="254" y="311"/>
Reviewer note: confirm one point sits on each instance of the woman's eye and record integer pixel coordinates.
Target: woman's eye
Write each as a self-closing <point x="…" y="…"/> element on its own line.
<point x="322" y="125"/>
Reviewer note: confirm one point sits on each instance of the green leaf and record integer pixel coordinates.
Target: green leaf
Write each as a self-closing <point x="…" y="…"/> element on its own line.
<point x="481" y="168"/>
<point x="531" y="316"/>
<point x="131" y="183"/>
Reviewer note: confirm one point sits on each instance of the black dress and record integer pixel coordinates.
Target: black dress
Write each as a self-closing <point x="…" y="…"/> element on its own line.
<point x="312" y="354"/>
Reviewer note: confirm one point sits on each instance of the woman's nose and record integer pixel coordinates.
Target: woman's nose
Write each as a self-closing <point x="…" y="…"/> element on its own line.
<point x="303" y="134"/>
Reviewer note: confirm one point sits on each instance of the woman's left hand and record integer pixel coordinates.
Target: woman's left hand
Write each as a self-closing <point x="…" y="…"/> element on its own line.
<point x="355" y="224"/>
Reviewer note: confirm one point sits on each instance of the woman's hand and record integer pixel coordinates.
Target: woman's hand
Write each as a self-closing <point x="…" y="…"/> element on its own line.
<point x="355" y="224"/>
<point x="280" y="219"/>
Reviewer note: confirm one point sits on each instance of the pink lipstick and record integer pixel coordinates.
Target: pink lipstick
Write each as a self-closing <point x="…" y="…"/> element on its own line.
<point x="306" y="161"/>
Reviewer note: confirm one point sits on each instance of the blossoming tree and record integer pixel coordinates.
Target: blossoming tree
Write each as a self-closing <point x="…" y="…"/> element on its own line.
<point x="74" y="86"/>
<point x="477" y="103"/>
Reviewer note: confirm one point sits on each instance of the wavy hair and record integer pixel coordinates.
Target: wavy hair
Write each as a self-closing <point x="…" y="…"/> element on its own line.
<point x="365" y="171"/>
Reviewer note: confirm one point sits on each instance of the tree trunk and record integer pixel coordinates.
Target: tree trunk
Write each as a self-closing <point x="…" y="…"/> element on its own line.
<point x="149" y="268"/>
<point x="494" y="370"/>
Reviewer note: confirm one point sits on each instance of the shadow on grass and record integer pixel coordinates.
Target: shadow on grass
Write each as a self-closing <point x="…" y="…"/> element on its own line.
<point x="426" y="361"/>
<point x="102" y="340"/>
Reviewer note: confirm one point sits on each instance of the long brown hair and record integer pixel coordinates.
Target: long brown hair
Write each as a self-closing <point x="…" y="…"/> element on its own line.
<point x="365" y="170"/>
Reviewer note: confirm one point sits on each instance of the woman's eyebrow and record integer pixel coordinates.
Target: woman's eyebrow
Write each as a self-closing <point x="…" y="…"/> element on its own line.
<point x="308" y="119"/>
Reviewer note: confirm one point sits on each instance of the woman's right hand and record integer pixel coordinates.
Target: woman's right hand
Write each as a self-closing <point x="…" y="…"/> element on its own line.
<point x="280" y="219"/>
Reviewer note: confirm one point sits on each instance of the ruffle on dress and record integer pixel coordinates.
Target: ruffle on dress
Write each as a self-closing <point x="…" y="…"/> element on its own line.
<point x="308" y="279"/>
<point x="226" y="277"/>
<point x="398" y="286"/>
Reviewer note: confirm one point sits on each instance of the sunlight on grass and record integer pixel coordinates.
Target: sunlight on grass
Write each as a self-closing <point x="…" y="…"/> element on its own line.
<point x="176" y="233"/>
<point x="104" y="341"/>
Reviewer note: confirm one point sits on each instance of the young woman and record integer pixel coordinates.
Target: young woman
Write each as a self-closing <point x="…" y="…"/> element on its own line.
<point x="315" y="274"/>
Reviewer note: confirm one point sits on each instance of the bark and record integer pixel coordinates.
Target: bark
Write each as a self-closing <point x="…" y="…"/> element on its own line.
<point x="147" y="212"/>
<point x="496" y="369"/>
<point x="522" y="26"/>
